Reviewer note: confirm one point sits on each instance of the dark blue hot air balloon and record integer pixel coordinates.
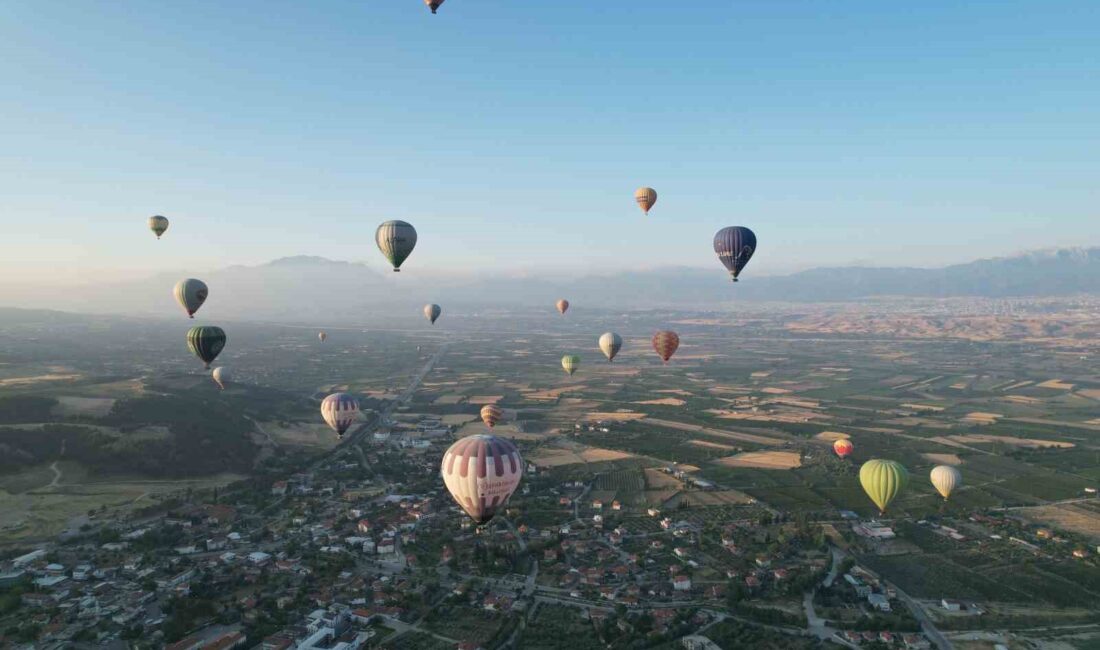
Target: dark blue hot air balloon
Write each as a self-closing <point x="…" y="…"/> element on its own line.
<point x="735" y="246"/>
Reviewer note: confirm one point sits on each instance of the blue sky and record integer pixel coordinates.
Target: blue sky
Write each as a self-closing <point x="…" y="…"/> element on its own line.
<point x="512" y="133"/>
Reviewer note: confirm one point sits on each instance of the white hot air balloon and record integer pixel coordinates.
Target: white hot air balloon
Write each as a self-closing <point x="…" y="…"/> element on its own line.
<point x="945" y="479"/>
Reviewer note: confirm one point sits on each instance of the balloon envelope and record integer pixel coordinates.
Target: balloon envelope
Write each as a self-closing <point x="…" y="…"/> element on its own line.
<point x="158" y="225"/>
<point x="206" y="342"/>
<point x="396" y="240"/>
<point x="432" y="312"/>
<point x="570" y="362"/>
<point x="945" y="479"/>
<point x="610" y="344"/>
<point x="882" y="480"/>
<point x="481" y="472"/>
<point x="645" y="197"/>
<point x="665" y="343"/>
<point x="190" y="294"/>
<point x="433" y="4"/>
<point x="339" y="411"/>
<point x="322" y="336"/>
<point x="562" y="305"/>
<point x="734" y="246"/>
<point x="843" y="447"/>
<point x="222" y="376"/>
<point x="490" y="414"/>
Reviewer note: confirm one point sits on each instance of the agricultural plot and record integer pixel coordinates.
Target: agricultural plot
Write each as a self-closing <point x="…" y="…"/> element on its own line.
<point x="557" y="627"/>
<point x="764" y="460"/>
<point x="465" y="623"/>
<point x="1077" y="518"/>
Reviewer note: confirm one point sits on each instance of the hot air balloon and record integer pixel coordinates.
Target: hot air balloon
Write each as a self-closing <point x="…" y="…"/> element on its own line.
<point x="322" y="336"/>
<point x="562" y="305"/>
<point x="842" y="447"/>
<point x="396" y="240"/>
<point x="945" y="479"/>
<point x="432" y="312"/>
<point x="735" y="246"/>
<point x="481" y="472"/>
<point x="158" y="225"/>
<point x="570" y="362"/>
<point x="339" y="411"/>
<point x="490" y="414"/>
<point x="665" y="343"/>
<point x="206" y="342"/>
<point x="190" y="294"/>
<point x="222" y="376"/>
<point x="610" y="344"/>
<point x="645" y="197"/>
<point x="882" y="480"/>
<point x="434" y="4"/>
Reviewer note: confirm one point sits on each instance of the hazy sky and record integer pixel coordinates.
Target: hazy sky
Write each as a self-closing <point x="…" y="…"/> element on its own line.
<point x="512" y="133"/>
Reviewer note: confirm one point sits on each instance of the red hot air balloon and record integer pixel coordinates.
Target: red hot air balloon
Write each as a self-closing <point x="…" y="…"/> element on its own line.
<point x="481" y="472"/>
<point x="665" y="343"/>
<point x="490" y="414"/>
<point x="562" y="305"/>
<point x="843" y="447"/>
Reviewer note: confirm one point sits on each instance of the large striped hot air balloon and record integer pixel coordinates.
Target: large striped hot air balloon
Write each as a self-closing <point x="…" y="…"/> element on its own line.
<point x="190" y="294"/>
<point x="396" y="240"/>
<point x="734" y="246"/>
<point x="206" y="342"/>
<point x="490" y="414"/>
<point x="843" y="447"/>
<point x="432" y="312"/>
<point x="481" y="472"/>
<point x="340" y="411"/>
<point x="570" y="362"/>
<point x="665" y="343"/>
<point x="158" y="225"/>
<point x="222" y="376"/>
<point x="610" y="344"/>
<point x="945" y="479"/>
<point x="882" y="480"/>
<point x="562" y="305"/>
<point x="433" y="4"/>
<point x="645" y="198"/>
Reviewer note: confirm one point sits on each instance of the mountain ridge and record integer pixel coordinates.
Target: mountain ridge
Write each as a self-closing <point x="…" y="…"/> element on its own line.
<point x="292" y="288"/>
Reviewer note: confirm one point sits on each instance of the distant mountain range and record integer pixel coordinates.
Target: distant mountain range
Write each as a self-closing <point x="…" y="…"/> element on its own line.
<point x="316" y="289"/>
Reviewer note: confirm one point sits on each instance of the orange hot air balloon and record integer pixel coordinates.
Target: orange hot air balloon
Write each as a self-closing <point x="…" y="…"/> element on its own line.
<point x="843" y="447"/>
<point x="645" y="197"/>
<point x="563" y="305"/>
<point x="665" y="343"/>
<point x="490" y="414"/>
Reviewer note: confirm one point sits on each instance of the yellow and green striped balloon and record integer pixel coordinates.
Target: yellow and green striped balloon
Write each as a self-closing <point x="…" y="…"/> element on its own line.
<point x="882" y="480"/>
<point x="570" y="362"/>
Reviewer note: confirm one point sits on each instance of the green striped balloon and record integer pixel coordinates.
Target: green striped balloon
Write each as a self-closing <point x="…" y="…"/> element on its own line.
<point x="882" y="480"/>
<point x="206" y="342"/>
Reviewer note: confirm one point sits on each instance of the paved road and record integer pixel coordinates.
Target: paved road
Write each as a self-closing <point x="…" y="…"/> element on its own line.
<point x="927" y="626"/>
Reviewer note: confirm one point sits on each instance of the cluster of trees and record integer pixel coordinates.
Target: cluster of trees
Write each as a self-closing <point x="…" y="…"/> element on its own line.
<point x="25" y="409"/>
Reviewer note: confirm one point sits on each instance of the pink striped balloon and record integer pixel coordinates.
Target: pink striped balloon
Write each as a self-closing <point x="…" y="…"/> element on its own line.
<point x="481" y="472"/>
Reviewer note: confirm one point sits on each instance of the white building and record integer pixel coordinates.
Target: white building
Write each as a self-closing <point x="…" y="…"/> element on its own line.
<point x="879" y="602"/>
